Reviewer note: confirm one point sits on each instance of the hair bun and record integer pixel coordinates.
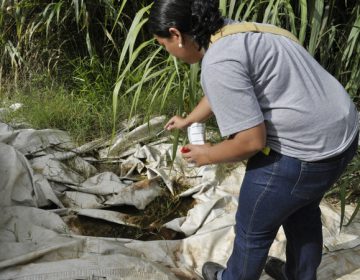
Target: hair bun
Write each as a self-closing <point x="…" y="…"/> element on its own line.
<point x="206" y="20"/>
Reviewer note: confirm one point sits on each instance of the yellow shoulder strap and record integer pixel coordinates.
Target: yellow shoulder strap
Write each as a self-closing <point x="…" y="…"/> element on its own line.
<point x="251" y="27"/>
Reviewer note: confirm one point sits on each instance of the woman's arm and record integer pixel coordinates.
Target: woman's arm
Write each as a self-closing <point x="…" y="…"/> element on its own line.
<point x="242" y="145"/>
<point x="200" y="113"/>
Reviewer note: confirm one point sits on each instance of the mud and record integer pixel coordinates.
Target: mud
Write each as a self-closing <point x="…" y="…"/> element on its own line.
<point x="147" y="223"/>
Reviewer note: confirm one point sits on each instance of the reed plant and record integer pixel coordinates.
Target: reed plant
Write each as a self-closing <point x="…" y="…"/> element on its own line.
<point x="43" y="35"/>
<point x="329" y="36"/>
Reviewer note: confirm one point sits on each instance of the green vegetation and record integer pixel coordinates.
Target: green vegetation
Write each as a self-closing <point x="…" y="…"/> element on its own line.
<point x="83" y="116"/>
<point x="100" y="51"/>
<point x="84" y="65"/>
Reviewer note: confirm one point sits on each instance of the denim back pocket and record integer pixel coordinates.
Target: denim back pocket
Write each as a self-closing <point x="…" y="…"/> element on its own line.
<point x="316" y="178"/>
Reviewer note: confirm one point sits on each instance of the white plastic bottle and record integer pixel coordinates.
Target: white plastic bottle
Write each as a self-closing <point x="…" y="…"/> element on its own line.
<point x="196" y="133"/>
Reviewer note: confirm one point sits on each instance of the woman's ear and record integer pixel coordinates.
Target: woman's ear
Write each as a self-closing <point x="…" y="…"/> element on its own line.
<point x="176" y="34"/>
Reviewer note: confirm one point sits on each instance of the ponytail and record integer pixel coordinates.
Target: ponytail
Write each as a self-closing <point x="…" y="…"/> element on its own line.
<point x="198" y="18"/>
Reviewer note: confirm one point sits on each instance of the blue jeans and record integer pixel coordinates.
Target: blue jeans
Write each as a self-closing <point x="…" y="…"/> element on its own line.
<point x="280" y="190"/>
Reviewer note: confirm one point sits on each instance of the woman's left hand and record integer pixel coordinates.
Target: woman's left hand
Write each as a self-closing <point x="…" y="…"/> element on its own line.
<point x="197" y="154"/>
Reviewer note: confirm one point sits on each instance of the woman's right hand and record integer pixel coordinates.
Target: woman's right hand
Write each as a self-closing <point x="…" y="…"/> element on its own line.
<point x="201" y="113"/>
<point x="177" y="122"/>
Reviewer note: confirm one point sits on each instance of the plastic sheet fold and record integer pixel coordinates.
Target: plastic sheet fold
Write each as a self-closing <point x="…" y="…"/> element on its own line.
<point x="46" y="181"/>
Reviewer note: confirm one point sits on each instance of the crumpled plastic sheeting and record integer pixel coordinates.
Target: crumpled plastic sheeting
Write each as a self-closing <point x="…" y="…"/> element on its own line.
<point x="30" y="141"/>
<point x="16" y="178"/>
<point x="111" y="267"/>
<point x="105" y="183"/>
<point x="37" y="243"/>
<point x="139" y="134"/>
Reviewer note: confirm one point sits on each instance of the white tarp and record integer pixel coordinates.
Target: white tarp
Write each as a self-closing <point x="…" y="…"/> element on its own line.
<point x="43" y="169"/>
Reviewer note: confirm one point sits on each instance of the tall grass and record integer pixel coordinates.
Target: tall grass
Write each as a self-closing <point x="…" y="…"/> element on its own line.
<point x="74" y="44"/>
<point x="333" y="40"/>
<point x="44" y="35"/>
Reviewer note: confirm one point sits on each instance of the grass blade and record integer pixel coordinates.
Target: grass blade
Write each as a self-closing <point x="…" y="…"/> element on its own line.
<point x="315" y="26"/>
<point x="222" y="6"/>
<point x="303" y="20"/>
<point x="268" y="11"/>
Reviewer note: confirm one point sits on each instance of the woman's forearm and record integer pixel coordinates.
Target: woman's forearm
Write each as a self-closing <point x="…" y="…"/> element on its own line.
<point x="242" y="145"/>
<point x="201" y="112"/>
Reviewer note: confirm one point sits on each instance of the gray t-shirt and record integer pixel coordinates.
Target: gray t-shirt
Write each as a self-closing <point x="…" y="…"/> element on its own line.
<point x="254" y="77"/>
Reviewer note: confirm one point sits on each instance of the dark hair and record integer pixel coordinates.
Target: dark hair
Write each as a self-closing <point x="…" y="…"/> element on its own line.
<point x="197" y="18"/>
